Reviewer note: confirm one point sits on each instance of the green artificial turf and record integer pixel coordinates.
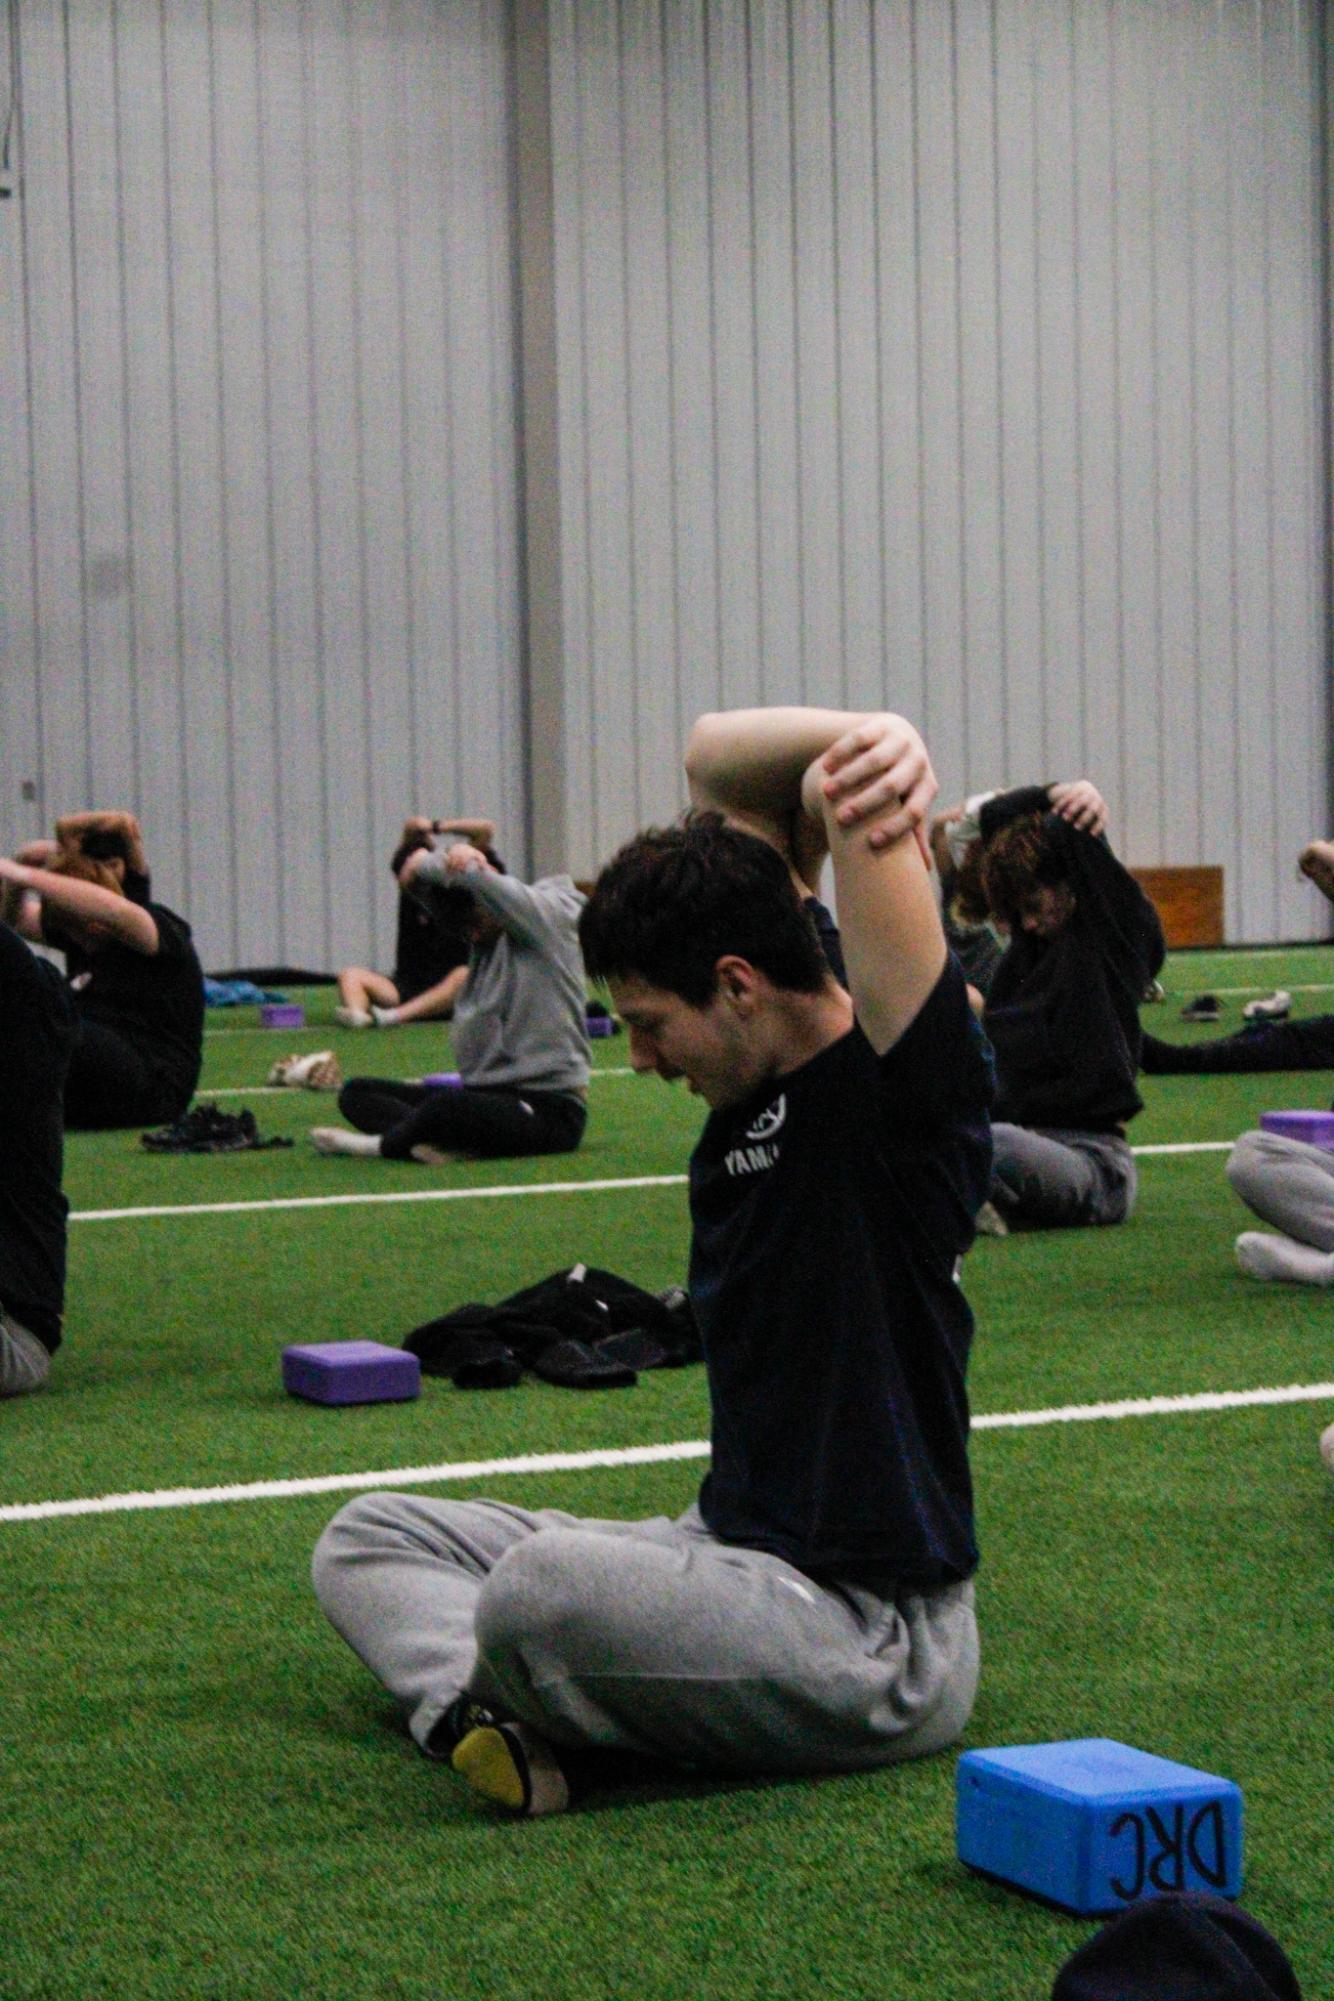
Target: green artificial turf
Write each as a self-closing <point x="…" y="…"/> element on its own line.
<point x="205" y="1794"/>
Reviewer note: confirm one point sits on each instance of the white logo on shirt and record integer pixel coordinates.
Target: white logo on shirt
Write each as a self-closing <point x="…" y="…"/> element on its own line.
<point x="769" y="1122"/>
<point x="761" y="1155"/>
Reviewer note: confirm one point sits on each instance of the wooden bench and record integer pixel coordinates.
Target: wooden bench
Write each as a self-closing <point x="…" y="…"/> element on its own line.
<point x="1189" y="901"/>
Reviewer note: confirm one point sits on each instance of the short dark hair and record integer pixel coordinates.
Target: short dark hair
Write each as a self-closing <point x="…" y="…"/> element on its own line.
<point x="677" y="899"/>
<point x="1023" y="857"/>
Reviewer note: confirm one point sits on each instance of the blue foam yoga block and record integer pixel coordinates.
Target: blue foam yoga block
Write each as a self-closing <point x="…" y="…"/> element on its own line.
<point x="1095" y="1825"/>
<point x="351" y="1372"/>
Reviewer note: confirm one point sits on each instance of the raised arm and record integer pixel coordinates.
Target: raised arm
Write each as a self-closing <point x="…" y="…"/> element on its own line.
<point x="862" y="785"/>
<point x="100" y="910"/>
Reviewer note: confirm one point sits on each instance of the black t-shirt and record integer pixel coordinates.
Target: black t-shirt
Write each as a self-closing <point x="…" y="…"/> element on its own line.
<point x="154" y="1000"/>
<point x="38" y="1024"/>
<point x="428" y="946"/>
<point x="830" y="1210"/>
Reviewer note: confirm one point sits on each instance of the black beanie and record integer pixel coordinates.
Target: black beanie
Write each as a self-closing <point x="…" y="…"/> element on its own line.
<point x="1191" y="1947"/>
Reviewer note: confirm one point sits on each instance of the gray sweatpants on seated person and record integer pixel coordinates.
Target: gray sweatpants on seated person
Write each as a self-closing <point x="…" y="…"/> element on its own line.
<point x="1043" y="1178"/>
<point x="25" y="1362"/>
<point x="1287" y="1183"/>
<point x="649" y="1637"/>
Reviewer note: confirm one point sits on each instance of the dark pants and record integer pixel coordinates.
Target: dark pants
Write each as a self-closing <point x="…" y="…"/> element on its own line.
<point x="490" y="1124"/>
<point x="38" y="1028"/>
<point x="110" y="1085"/>
<point x="1270" y="1045"/>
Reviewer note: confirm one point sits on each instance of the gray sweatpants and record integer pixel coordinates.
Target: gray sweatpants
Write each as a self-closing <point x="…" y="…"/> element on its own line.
<point x="1048" y="1179"/>
<point x="25" y="1362"/>
<point x="650" y="1637"/>
<point x="1286" y="1183"/>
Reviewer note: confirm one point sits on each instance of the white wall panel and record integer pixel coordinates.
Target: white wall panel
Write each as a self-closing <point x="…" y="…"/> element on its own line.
<point x="980" y="341"/>
<point x="261" y="512"/>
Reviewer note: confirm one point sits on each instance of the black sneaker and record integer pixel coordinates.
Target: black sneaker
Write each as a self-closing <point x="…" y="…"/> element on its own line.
<point x="208" y="1129"/>
<point x="1204" y="1007"/>
<point x="509" y="1764"/>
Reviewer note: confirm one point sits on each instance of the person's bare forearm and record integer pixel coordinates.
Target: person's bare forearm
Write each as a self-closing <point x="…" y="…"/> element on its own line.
<point x="752" y="761"/>
<point x="481" y="833"/>
<point x="436" y="1003"/>
<point x="103" y="909"/>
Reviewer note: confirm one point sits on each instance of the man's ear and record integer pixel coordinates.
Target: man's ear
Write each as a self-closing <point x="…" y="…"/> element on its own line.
<point x="738" y="982"/>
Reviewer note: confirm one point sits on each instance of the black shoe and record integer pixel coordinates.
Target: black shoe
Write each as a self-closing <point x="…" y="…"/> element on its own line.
<point x="208" y="1129"/>
<point x="1204" y="1007"/>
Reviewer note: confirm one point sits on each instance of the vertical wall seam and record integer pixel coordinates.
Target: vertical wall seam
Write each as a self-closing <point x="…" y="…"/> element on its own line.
<point x="313" y="413"/>
<point x="29" y="392"/>
<point x="840" y="463"/>
<point x="76" y="356"/>
<point x="757" y="468"/>
<point x="1077" y="300"/>
<point x="919" y="394"/>
<point x="177" y="500"/>
<point x="355" y="190"/>
<point x="963" y="664"/>
<point x="276" y="668"/>
<point x="1002" y="470"/>
<point x="631" y="483"/>
<point x="798" y="423"/>
<point x="224" y="527"/>
<point x="127" y="483"/>
<point x="1152" y="166"/>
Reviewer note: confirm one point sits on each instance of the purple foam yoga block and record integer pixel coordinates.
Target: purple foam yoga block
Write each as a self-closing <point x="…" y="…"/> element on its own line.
<point x="599" y="1025"/>
<point x="1316" y="1128"/>
<point x="444" y="1080"/>
<point x="1095" y="1825"/>
<point x="351" y="1372"/>
<point x="282" y="1014"/>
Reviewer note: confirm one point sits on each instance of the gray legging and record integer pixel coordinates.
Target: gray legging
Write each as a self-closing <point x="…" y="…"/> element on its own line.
<point x="647" y="1637"/>
<point x="1045" y="1178"/>
<point x="1288" y="1184"/>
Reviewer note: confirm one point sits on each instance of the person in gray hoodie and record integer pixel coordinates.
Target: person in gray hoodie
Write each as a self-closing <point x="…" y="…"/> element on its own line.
<point x="520" y="1028"/>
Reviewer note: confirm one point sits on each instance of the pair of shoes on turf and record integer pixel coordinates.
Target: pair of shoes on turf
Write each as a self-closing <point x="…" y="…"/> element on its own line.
<point x="502" y="1760"/>
<point x="1274" y="1007"/>
<point x="320" y="1071"/>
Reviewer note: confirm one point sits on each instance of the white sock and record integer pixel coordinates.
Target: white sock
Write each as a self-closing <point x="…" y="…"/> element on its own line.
<point x="384" y="1017"/>
<point x="1264" y="1256"/>
<point x="1327" y="1446"/>
<point x="339" y="1139"/>
<point x="352" y="1017"/>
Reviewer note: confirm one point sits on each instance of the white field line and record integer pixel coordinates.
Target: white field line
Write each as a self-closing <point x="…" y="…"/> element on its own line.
<point x="627" y="1455"/>
<point x="358" y="1201"/>
<point x="473" y="1194"/>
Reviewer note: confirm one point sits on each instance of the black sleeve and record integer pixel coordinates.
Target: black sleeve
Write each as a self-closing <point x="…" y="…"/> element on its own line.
<point x="173" y="933"/>
<point x="1112" y="906"/>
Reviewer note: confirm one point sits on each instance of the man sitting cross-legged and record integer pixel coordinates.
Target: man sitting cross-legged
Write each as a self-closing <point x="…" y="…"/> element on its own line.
<point x="813" y="1610"/>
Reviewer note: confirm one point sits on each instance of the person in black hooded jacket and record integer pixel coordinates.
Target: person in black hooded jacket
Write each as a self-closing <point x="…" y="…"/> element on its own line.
<point x="1062" y="1012"/>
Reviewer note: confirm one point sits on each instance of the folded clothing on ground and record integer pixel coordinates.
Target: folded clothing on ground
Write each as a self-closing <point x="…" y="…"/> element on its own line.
<point x="583" y="1328"/>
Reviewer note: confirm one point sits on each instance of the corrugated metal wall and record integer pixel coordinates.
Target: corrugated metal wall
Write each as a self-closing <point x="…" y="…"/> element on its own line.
<point x="962" y="356"/>
<point x="259" y="528"/>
